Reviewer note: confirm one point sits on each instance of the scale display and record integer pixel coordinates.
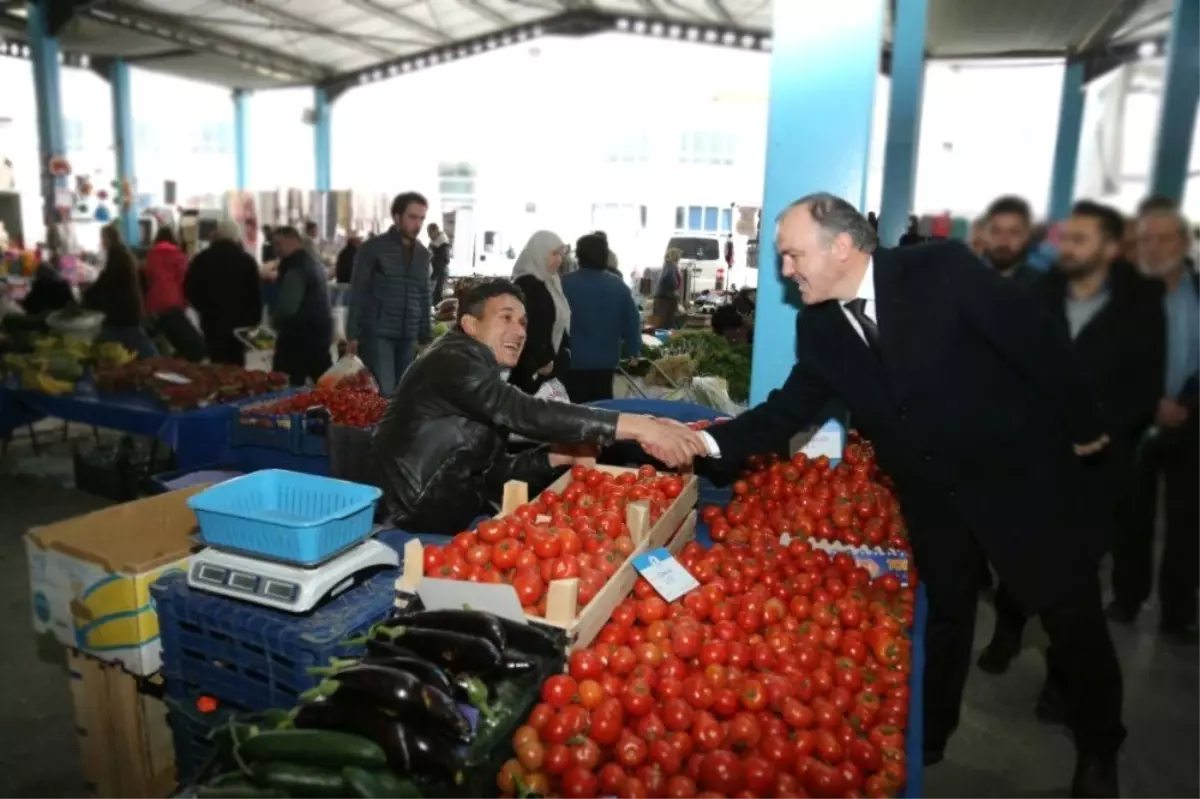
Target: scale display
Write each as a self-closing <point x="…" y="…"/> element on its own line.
<point x="279" y="585"/>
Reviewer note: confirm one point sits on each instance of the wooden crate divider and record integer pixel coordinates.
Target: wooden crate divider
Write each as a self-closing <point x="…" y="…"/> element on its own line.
<point x="562" y="597"/>
<point x="125" y="741"/>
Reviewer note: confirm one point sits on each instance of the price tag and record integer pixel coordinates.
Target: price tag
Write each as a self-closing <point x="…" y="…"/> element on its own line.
<point x="665" y="573"/>
<point x="829" y="440"/>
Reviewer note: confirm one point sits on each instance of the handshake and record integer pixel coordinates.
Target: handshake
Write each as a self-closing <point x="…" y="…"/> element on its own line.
<point x="673" y="443"/>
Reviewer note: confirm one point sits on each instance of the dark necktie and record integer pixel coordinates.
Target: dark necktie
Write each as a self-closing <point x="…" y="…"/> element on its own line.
<point x="858" y="309"/>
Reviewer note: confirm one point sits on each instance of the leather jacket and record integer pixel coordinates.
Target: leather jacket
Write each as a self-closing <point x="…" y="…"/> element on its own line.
<point x="442" y="443"/>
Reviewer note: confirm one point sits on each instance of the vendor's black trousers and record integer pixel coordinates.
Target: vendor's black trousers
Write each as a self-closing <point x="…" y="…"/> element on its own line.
<point x="1082" y="652"/>
<point x="1133" y="553"/>
<point x="588" y="385"/>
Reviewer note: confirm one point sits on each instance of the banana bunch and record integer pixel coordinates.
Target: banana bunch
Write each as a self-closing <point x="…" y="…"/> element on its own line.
<point x="44" y="383"/>
<point x="110" y="355"/>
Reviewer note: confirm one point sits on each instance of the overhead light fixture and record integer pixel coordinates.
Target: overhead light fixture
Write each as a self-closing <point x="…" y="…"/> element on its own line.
<point x="622" y="24"/>
<point x="1147" y="49"/>
<point x="674" y="31"/>
<point x="764" y="43"/>
<point x="656" y="29"/>
<point x="639" y="26"/>
<point x="692" y="34"/>
<point x="710" y="36"/>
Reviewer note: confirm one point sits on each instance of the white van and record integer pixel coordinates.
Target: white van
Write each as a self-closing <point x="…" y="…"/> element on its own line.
<point x="703" y="257"/>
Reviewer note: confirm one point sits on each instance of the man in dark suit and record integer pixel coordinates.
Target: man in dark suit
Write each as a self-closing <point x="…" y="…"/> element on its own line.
<point x="1115" y="320"/>
<point x="979" y="412"/>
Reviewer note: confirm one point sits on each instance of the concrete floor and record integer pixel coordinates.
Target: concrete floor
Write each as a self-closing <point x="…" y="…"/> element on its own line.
<point x="999" y="750"/>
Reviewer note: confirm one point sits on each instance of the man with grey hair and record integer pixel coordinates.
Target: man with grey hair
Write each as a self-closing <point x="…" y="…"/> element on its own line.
<point x="223" y="285"/>
<point x="968" y="389"/>
<point x="1171" y="448"/>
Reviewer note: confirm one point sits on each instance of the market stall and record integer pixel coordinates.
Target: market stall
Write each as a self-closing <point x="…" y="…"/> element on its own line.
<point x="187" y="407"/>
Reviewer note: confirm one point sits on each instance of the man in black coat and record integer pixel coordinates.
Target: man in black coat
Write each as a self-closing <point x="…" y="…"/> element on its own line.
<point x="979" y="412"/>
<point x="1118" y="331"/>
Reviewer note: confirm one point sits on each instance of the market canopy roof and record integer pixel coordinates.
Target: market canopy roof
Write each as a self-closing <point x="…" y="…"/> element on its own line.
<point x="254" y="44"/>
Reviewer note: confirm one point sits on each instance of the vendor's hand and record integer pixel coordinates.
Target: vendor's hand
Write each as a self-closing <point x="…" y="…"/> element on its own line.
<point x="546" y="370"/>
<point x="1170" y="414"/>
<point x="352" y="347"/>
<point x="1092" y="447"/>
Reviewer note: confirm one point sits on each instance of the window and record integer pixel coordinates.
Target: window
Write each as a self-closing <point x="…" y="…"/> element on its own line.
<point x="695" y="248"/>
<point x="629" y="148"/>
<point x="456" y="179"/>
<point x="73" y="136"/>
<point x="704" y="218"/>
<point x="708" y="147"/>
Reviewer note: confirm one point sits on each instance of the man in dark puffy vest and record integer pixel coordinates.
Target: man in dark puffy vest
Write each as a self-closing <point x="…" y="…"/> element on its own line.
<point x="302" y="317"/>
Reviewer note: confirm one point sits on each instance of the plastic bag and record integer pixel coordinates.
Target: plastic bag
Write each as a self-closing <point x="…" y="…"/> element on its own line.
<point x="711" y="392"/>
<point x="552" y="390"/>
<point x="349" y="372"/>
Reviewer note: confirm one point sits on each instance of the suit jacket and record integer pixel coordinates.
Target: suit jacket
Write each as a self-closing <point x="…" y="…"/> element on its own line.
<point x="972" y="406"/>
<point x="1122" y="352"/>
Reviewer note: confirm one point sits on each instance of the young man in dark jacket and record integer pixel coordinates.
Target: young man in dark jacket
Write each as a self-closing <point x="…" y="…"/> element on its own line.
<point x="1115" y="320"/>
<point x="390" y="306"/>
<point x="302" y="318"/>
<point x="441" y="445"/>
<point x="439" y="260"/>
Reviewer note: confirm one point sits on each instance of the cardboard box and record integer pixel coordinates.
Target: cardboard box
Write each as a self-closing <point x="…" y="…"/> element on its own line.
<point x="125" y="743"/>
<point x="90" y="576"/>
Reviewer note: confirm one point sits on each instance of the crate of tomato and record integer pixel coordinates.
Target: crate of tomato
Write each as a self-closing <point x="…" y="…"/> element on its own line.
<point x="568" y="552"/>
<point x="298" y="423"/>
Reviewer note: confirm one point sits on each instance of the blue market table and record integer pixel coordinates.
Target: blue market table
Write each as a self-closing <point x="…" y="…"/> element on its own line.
<point x="197" y="437"/>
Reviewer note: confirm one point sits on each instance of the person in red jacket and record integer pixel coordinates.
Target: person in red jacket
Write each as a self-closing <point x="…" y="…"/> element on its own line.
<point x="166" y="268"/>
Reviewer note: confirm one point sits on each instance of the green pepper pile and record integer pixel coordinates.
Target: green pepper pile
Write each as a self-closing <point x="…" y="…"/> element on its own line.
<point x="397" y="723"/>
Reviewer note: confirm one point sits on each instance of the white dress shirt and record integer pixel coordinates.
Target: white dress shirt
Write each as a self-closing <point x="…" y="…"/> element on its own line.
<point x="866" y="291"/>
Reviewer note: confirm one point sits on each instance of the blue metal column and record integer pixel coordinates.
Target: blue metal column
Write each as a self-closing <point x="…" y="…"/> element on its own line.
<point x="1066" y="144"/>
<point x="824" y="64"/>
<point x="51" y="143"/>
<point x="322" y="140"/>
<point x="241" y="137"/>
<point x="904" y="119"/>
<point x="122" y="113"/>
<point x="1172" y="153"/>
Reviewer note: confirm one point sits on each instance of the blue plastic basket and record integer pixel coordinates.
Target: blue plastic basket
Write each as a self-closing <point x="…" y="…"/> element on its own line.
<point x="256" y="657"/>
<point x="192" y="734"/>
<point x="289" y="516"/>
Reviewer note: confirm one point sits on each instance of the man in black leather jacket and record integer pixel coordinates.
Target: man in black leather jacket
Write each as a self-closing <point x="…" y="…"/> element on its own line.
<point x="442" y="443"/>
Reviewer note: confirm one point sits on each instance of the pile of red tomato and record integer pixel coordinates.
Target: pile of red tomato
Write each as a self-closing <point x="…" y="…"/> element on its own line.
<point x="579" y="534"/>
<point x="355" y="407"/>
<point x="785" y="674"/>
<point x="850" y="503"/>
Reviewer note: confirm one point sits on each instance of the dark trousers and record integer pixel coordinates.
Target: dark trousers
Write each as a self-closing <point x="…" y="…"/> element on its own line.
<point x="1082" y="652"/>
<point x="388" y="359"/>
<point x="302" y="368"/>
<point x="1133" y="554"/>
<point x="225" y="348"/>
<point x="589" y="385"/>
<point x="438" y="288"/>
<point x="181" y="334"/>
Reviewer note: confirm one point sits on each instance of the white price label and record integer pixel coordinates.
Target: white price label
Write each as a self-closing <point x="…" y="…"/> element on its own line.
<point x="173" y="377"/>
<point x="829" y="440"/>
<point x="666" y="574"/>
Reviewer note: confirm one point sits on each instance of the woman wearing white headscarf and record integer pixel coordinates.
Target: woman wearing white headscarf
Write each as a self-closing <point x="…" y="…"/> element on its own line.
<point x="547" y="351"/>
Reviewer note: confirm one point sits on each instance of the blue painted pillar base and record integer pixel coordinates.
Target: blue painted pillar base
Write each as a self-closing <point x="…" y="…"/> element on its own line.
<point x="1173" y="150"/>
<point x="824" y="65"/>
<point x="904" y="119"/>
<point x="51" y="143"/>
<point x="241" y="137"/>
<point x="122" y="113"/>
<point x="322" y="140"/>
<point x="1066" y="143"/>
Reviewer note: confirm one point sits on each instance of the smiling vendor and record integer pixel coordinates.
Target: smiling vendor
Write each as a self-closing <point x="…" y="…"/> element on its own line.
<point x="441" y="445"/>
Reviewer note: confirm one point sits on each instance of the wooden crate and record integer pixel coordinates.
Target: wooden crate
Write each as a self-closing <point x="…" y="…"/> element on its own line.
<point x="125" y="742"/>
<point x="562" y="596"/>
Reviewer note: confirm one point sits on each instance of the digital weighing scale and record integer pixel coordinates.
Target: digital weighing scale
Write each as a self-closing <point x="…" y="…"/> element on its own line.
<point x="285" y="586"/>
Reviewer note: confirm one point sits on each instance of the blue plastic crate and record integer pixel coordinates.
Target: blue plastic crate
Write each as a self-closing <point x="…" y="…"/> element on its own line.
<point x="289" y="516"/>
<point x="192" y="733"/>
<point x="256" y="657"/>
<point x="273" y="431"/>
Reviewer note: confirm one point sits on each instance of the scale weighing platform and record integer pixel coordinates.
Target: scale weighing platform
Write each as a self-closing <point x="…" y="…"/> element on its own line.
<point x="285" y="586"/>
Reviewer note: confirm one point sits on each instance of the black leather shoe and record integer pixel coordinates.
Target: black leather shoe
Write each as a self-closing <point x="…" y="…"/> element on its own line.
<point x="1095" y="777"/>
<point x="1051" y="707"/>
<point x="1120" y="612"/>
<point x="997" y="656"/>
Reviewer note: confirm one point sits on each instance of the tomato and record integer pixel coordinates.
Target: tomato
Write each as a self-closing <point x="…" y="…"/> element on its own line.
<point x="828" y="748"/>
<point x="622" y="661"/>
<point x="664" y="755"/>
<point x="432" y="558"/>
<point x="886" y="735"/>
<point x="759" y="775"/>
<point x="591" y="694"/>
<point x="637" y="698"/>
<point x="586" y="664"/>
<point x="677" y="715"/>
<point x="579" y="783"/>
<point x="607" y="721"/>
<point x="777" y="750"/>
<point x="529" y="587"/>
<point x="681" y="787"/>
<point x="510" y="773"/>
<point x="707" y="731"/>
<point x="540" y="714"/>
<point x="753" y="695"/>
<point x="610" y="777"/>
<point x="722" y="772"/>
<point x="650" y="728"/>
<point x="744" y="732"/>
<point x="865" y="755"/>
<point x="824" y="781"/>
<point x="630" y="750"/>
<point x="558" y="759"/>
<point x="651" y="609"/>
<point x="698" y="693"/>
<point x="559" y="690"/>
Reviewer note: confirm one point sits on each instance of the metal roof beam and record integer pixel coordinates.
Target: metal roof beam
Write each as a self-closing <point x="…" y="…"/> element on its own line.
<point x="269" y="12"/>
<point x="488" y="13"/>
<point x="171" y="29"/>
<point x="1113" y="21"/>
<point x="399" y="18"/>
